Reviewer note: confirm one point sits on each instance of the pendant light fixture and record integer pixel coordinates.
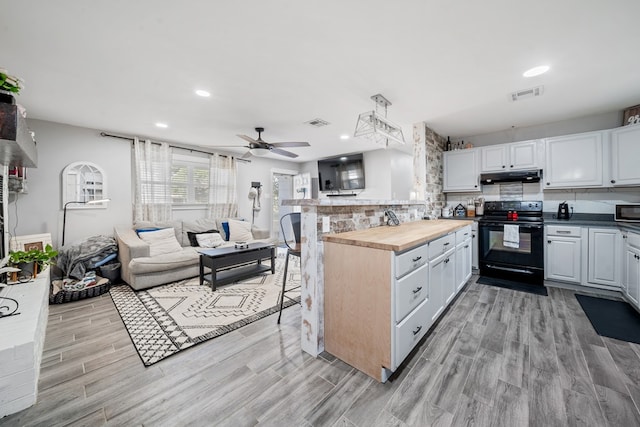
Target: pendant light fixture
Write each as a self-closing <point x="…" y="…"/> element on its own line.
<point x="376" y="127"/>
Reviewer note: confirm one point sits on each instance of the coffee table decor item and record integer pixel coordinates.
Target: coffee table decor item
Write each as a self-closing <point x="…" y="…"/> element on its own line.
<point x="165" y="320"/>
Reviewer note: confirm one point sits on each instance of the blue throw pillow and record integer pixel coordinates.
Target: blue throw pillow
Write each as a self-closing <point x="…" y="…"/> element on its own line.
<point x="225" y="227"/>
<point x="145" y="230"/>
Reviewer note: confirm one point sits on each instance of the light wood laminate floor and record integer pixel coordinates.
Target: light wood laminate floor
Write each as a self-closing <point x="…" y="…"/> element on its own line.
<point x="497" y="358"/>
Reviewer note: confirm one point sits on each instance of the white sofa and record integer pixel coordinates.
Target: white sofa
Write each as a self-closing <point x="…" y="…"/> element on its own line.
<point x="141" y="271"/>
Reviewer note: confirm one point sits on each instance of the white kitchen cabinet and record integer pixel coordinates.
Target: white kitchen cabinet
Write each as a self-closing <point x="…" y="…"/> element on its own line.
<point x="631" y="267"/>
<point x="508" y="157"/>
<point x="575" y="161"/>
<point x="442" y="278"/>
<point x="475" y="262"/>
<point x="625" y="155"/>
<point x="563" y="253"/>
<point x="379" y="301"/>
<point x="461" y="170"/>
<point x="603" y="265"/>
<point x="463" y="257"/>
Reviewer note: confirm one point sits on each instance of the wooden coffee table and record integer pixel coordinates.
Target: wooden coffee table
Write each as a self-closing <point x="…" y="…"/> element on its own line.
<point x="227" y="265"/>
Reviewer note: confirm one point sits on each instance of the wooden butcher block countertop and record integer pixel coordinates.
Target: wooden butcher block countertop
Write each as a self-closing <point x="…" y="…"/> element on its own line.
<point x="399" y="238"/>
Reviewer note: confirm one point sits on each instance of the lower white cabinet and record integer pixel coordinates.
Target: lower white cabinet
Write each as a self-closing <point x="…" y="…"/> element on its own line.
<point x="442" y="278"/>
<point x="603" y="265"/>
<point x="464" y="255"/>
<point x="475" y="262"/>
<point x="379" y="302"/>
<point x="631" y="269"/>
<point x="563" y="254"/>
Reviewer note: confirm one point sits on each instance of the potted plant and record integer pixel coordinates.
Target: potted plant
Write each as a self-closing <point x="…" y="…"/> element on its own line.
<point x="33" y="260"/>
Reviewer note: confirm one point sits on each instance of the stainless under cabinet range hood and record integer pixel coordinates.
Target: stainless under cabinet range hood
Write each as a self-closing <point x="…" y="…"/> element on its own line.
<point x="512" y="176"/>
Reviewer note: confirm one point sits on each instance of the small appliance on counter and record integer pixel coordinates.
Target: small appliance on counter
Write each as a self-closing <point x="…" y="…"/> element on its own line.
<point x="563" y="211"/>
<point x="629" y="212"/>
<point x="479" y="206"/>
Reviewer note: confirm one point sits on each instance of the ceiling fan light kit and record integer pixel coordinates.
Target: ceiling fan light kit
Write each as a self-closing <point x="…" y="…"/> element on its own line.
<point x="376" y="127"/>
<point x="259" y="152"/>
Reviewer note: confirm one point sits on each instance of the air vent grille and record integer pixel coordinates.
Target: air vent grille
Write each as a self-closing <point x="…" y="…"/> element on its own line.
<point x="527" y="93"/>
<point x="317" y="123"/>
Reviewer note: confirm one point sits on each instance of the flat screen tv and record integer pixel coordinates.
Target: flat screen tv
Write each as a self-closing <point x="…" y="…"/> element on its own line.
<point x="341" y="173"/>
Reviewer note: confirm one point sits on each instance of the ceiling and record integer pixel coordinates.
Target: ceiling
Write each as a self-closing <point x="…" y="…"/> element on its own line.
<point x="121" y="66"/>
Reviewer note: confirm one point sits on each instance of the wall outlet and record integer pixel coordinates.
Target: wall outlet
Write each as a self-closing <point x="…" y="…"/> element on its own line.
<point x="326" y="224"/>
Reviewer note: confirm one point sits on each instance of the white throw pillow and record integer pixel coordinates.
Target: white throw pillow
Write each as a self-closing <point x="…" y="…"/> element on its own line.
<point x="209" y="240"/>
<point x="161" y="241"/>
<point x="239" y="231"/>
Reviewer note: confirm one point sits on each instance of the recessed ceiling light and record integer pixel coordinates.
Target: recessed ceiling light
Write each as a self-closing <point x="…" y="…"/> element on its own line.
<point x="343" y="158"/>
<point x="162" y="125"/>
<point x="344" y="136"/>
<point x="536" y="71"/>
<point x="203" y="93"/>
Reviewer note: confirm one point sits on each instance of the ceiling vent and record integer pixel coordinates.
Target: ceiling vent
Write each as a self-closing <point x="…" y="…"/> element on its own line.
<point x="527" y="93"/>
<point x="317" y="123"/>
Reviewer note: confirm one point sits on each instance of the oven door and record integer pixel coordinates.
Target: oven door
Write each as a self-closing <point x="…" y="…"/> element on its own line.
<point x="526" y="262"/>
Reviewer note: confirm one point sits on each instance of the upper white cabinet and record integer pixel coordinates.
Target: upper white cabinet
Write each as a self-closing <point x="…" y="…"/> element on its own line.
<point x="625" y="156"/>
<point x="461" y="170"/>
<point x="508" y="157"/>
<point x="574" y="161"/>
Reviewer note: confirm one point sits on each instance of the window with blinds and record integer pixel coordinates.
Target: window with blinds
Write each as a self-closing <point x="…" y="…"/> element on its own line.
<point x="189" y="179"/>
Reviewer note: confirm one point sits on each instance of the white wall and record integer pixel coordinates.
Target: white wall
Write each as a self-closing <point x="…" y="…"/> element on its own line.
<point x="388" y="174"/>
<point x="565" y="127"/>
<point x="40" y="211"/>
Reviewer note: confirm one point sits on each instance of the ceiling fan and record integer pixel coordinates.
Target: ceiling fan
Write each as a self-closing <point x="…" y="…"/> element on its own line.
<point x="258" y="147"/>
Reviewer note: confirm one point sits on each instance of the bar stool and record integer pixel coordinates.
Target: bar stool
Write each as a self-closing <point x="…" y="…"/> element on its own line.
<point x="290" y="225"/>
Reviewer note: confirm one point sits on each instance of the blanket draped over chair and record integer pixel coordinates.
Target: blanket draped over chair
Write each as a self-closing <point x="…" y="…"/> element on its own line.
<point x="77" y="259"/>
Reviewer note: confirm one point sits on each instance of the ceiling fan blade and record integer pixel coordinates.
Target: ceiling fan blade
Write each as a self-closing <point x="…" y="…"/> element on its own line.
<point x="291" y="144"/>
<point x="226" y="146"/>
<point x="248" y="139"/>
<point x="246" y="155"/>
<point x="284" y="153"/>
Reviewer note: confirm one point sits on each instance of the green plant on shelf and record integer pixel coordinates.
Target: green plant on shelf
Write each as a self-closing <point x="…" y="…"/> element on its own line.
<point x="10" y="83"/>
<point x="40" y="257"/>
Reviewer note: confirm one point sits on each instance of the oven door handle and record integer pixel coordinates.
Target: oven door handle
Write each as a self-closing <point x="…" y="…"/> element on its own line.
<point x="500" y="224"/>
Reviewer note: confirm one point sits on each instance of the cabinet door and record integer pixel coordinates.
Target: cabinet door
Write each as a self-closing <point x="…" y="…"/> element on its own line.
<point x="563" y="258"/>
<point x="523" y="155"/>
<point x="631" y="276"/>
<point x="574" y="161"/>
<point x="463" y="264"/>
<point x="461" y="170"/>
<point x="625" y="152"/>
<point x="474" y="246"/>
<point x="604" y="251"/>
<point x="436" y="287"/>
<point x="494" y="158"/>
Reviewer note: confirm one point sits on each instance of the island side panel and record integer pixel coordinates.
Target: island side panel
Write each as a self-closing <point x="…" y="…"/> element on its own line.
<point x="357" y="306"/>
<point x="311" y="292"/>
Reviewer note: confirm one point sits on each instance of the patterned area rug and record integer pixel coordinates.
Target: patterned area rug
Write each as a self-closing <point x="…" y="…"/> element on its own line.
<point x="164" y="320"/>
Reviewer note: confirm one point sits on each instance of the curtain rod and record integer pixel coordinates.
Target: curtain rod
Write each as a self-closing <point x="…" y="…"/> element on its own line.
<point x="130" y="138"/>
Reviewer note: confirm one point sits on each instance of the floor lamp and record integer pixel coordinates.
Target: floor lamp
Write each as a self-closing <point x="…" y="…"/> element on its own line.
<point x="64" y="215"/>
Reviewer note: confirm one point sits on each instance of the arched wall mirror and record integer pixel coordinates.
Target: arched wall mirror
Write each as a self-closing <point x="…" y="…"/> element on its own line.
<point x="83" y="182"/>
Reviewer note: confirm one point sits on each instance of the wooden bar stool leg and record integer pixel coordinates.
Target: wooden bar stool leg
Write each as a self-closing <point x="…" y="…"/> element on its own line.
<point x="284" y="282"/>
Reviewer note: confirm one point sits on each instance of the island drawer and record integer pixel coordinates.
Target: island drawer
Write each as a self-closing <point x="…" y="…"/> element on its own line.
<point x="410" y="260"/>
<point x="410" y="290"/>
<point x="441" y="245"/>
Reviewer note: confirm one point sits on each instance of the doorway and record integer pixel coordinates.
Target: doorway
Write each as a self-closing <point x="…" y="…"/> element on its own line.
<point x="282" y="188"/>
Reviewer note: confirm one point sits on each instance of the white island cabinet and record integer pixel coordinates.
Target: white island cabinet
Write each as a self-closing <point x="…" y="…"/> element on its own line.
<point x="384" y="289"/>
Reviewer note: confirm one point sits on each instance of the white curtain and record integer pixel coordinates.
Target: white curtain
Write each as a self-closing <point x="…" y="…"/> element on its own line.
<point x="152" y="164"/>
<point x="223" y="199"/>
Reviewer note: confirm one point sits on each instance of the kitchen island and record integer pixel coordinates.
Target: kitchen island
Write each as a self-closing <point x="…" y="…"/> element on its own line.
<point x="384" y="288"/>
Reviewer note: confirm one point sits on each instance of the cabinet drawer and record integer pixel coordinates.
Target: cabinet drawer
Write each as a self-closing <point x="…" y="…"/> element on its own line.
<point x="462" y="235"/>
<point x="633" y="239"/>
<point x="441" y="245"/>
<point x="563" y="230"/>
<point x="410" y="290"/>
<point x="411" y="260"/>
<point x="410" y="330"/>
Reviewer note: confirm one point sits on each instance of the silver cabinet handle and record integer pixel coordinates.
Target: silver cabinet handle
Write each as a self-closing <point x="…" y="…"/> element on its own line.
<point x="417" y="330"/>
<point x="418" y="289"/>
